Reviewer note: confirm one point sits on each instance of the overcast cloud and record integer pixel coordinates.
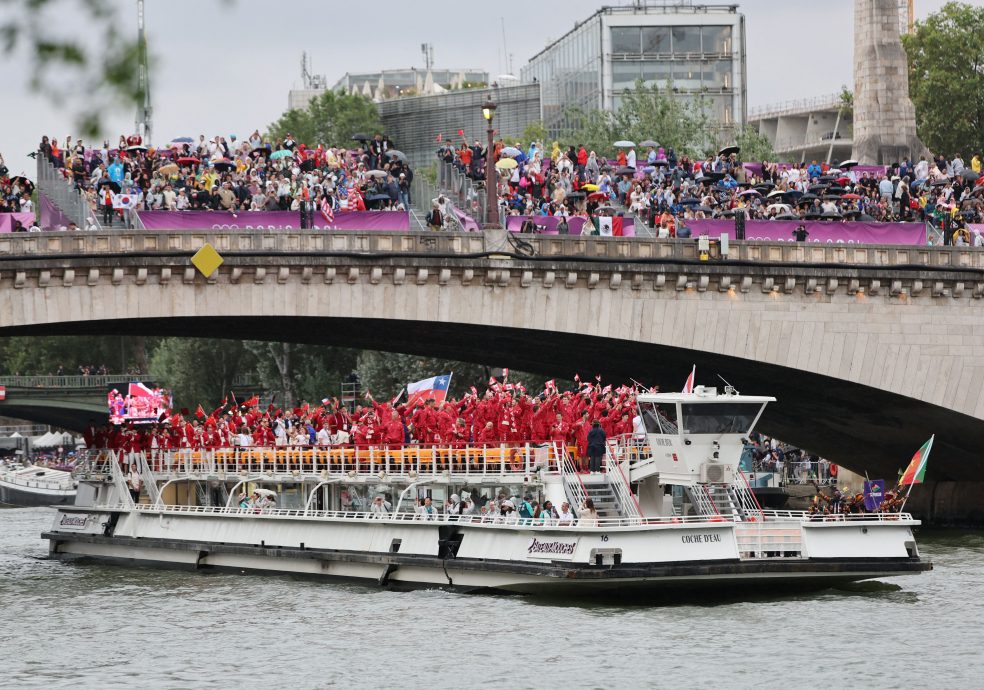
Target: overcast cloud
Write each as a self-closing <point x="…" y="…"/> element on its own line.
<point x="226" y="67"/>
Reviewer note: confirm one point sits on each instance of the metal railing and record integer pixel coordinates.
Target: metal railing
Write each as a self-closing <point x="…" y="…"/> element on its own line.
<point x="627" y="502"/>
<point x="68" y="199"/>
<point x="90" y="381"/>
<point x="465" y="193"/>
<point x="800" y="105"/>
<point x="577" y="494"/>
<point x="377" y="462"/>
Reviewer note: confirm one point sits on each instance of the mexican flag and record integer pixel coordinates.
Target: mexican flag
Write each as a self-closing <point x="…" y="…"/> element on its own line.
<point x="607" y="226"/>
<point x="916" y="471"/>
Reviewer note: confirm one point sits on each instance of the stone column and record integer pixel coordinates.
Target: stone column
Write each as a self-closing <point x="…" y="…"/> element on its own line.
<point x="884" y="117"/>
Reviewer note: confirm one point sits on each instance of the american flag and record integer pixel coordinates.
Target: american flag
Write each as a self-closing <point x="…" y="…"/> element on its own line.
<point x="327" y="211"/>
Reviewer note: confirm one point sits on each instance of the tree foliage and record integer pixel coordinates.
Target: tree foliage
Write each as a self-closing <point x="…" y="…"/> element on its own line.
<point x="330" y="119"/>
<point x="946" y="79"/>
<point x="199" y="370"/>
<point x="94" y="69"/>
<point x="646" y="112"/>
<point x="754" y="146"/>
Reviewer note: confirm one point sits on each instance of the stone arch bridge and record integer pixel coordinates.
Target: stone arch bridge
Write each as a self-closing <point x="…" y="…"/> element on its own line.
<point x="869" y="349"/>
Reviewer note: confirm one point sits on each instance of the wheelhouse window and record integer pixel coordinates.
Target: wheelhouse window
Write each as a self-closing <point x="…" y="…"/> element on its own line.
<point x="659" y="418"/>
<point x="719" y="418"/>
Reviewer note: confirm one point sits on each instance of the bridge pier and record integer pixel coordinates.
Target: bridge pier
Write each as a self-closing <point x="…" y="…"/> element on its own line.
<point x="948" y="503"/>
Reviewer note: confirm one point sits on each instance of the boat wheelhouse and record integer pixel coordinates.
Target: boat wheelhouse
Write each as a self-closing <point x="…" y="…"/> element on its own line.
<point x="36" y="485"/>
<point x="674" y="511"/>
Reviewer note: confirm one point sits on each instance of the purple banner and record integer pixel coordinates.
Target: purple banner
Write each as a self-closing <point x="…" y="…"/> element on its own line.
<point x="874" y="494"/>
<point x="272" y="220"/>
<point x="547" y="225"/>
<point x="51" y="217"/>
<point x="468" y="223"/>
<point x="913" y="234"/>
<point x="7" y="220"/>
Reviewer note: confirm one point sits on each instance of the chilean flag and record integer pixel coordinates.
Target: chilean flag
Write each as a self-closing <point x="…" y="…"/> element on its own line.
<point x="435" y="387"/>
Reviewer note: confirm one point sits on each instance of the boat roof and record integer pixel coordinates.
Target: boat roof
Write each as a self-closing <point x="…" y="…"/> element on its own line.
<point x="704" y="394"/>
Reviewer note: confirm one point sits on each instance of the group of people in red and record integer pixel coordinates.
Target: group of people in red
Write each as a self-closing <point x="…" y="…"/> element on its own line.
<point x="504" y="413"/>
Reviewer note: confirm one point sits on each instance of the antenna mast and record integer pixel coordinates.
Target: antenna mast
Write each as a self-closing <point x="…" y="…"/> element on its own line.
<point x="143" y="124"/>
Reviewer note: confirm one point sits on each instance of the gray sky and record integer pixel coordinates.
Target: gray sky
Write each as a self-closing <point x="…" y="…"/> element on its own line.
<point x="226" y="67"/>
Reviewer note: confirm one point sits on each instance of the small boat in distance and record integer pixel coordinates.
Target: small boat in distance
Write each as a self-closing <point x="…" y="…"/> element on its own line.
<point x="36" y="485"/>
<point x="670" y="510"/>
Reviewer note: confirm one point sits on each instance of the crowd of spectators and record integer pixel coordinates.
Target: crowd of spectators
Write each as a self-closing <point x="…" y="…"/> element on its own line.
<point x="666" y="189"/>
<point x="228" y="174"/>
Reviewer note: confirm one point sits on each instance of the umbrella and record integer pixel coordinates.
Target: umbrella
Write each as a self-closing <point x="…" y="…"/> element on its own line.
<point x="812" y="215"/>
<point x="115" y="186"/>
<point x="851" y="197"/>
<point x="845" y="165"/>
<point x="751" y="192"/>
<point x="661" y="162"/>
<point x="793" y="193"/>
<point x="136" y="147"/>
<point x="649" y="169"/>
<point x="831" y="214"/>
<point x="399" y="155"/>
<point x="969" y="175"/>
<point x="730" y="213"/>
<point x="835" y="190"/>
<point x="378" y="197"/>
<point x="590" y="187"/>
<point x="765" y="185"/>
<point x="308" y="165"/>
<point x="714" y="176"/>
<point x="866" y="218"/>
<point x="779" y="208"/>
<point x="597" y="196"/>
<point x="576" y="195"/>
<point x="361" y="137"/>
<point x="776" y="192"/>
<point x="623" y="144"/>
<point x="23" y="183"/>
<point x="703" y="209"/>
<point x="165" y="153"/>
<point x="376" y="173"/>
<point x="182" y="140"/>
<point x="827" y="178"/>
<point x="689" y="201"/>
<point x="282" y="153"/>
<point x="188" y="160"/>
<point x="266" y="492"/>
<point x="728" y="150"/>
<point x="506" y="163"/>
<point x="817" y="188"/>
<point x="222" y="163"/>
<point x="511" y="151"/>
<point x="787" y="216"/>
<point x="605" y="208"/>
<point x="625" y="170"/>
<point x="168" y="169"/>
<point x="649" y="142"/>
<point x="940" y="183"/>
<point x="260" y="151"/>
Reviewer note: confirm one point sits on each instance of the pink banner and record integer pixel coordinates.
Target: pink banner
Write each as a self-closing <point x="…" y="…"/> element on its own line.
<point x="913" y="234"/>
<point x="547" y="225"/>
<point x="7" y="220"/>
<point x="272" y="220"/>
<point x="51" y="216"/>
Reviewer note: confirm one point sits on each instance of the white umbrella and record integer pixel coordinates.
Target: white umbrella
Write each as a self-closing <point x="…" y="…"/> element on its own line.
<point x="775" y="192"/>
<point x="266" y="492"/>
<point x="624" y="144"/>
<point x="847" y="164"/>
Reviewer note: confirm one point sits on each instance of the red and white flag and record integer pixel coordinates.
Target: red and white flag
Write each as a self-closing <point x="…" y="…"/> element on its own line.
<point x="688" y="387"/>
<point x="327" y="211"/>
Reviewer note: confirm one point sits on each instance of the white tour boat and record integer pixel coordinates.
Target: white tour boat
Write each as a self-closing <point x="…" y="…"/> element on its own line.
<point x="675" y="512"/>
<point x="34" y="485"/>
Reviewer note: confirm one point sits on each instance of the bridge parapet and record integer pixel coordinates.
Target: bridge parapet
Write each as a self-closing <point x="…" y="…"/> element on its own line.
<point x="271" y="242"/>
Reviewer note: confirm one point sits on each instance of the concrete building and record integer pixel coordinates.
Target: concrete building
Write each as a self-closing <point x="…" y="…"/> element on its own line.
<point x="819" y="128"/>
<point x="696" y="50"/>
<point x="393" y="83"/>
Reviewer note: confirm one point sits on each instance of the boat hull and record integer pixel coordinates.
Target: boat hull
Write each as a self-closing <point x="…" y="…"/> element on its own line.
<point x="408" y="571"/>
<point x="14" y="495"/>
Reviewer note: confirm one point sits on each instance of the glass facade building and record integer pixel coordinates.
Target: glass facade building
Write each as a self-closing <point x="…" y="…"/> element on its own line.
<point x="697" y="51"/>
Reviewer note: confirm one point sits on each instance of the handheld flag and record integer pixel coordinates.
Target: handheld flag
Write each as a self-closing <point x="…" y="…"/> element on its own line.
<point x="916" y="471"/>
<point x="435" y="387"/>
<point x="688" y="387"/>
<point x="199" y="412"/>
<point x="327" y="211"/>
<point x="874" y="494"/>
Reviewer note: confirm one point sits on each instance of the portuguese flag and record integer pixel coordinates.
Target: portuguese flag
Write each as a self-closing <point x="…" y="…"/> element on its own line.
<point x="916" y="471"/>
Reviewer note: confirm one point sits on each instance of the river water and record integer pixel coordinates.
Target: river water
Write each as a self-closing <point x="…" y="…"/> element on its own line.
<point x="85" y="626"/>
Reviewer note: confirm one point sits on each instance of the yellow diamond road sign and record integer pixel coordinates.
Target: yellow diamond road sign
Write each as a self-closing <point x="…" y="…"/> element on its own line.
<point x="207" y="260"/>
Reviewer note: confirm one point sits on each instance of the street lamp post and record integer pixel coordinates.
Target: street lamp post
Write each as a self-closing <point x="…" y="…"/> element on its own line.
<point x="491" y="185"/>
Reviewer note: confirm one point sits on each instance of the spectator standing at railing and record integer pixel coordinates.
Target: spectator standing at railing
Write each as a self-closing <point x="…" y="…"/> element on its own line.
<point x="597" y="440"/>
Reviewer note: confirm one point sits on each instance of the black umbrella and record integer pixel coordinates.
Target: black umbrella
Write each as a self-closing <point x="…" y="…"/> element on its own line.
<point x="378" y="197"/>
<point x="866" y="218"/>
<point x="787" y="216"/>
<point x="308" y="165"/>
<point x="812" y="215"/>
<point x="807" y="197"/>
<point x="714" y="176"/>
<point x="793" y="193"/>
<point x="115" y="186"/>
<point x="817" y="188"/>
<point x="689" y="201"/>
<point x="730" y="213"/>
<point x="24" y="183"/>
<point x="728" y="150"/>
<point x="625" y="170"/>
<point x="836" y="190"/>
<point x="762" y="186"/>
<point x="831" y="214"/>
<point x="361" y="137"/>
<point x="969" y="175"/>
<point x="940" y="183"/>
<point x="847" y="165"/>
<point x="576" y="195"/>
<point x="828" y="178"/>
<point x="705" y="209"/>
<point x="223" y="164"/>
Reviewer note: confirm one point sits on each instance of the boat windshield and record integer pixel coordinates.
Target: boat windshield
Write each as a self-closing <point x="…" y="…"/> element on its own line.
<point x="719" y="418"/>
<point x="659" y="418"/>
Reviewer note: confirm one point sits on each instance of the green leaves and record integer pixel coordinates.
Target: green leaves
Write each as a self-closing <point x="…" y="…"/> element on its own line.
<point x="946" y="79"/>
<point x="330" y="119"/>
